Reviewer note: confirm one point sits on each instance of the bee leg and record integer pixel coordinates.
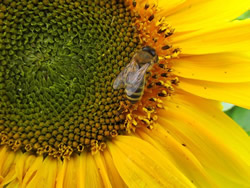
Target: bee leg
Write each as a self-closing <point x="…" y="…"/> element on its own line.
<point x="148" y="75"/>
<point x="124" y="107"/>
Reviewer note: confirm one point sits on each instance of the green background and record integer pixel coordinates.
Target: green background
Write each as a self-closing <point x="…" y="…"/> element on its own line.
<point x="241" y="116"/>
<point x="238" y="114"/>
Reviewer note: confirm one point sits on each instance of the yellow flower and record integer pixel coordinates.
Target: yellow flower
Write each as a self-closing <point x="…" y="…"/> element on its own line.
<point x="62" y="124"/>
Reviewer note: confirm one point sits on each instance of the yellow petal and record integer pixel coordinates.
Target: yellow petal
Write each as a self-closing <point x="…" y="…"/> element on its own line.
<point x="3" y="155"/>
<point x="168" y="7"/>
<point x="102" y="170"/>
<point x="32" y="169"/>
<point x="179" y="155"/>
<point x="93" y="178"/>
<point x="23" y="163"/>
<point x="14" y="184"/>
<point x="20" y="161"/>
<point x="220" y="145"/>
<point x="81" y="170"/>
<point x="230" y="37"/>
<point x="194" y="15"/>
<point x="7" y="166"/>
<point x="114" y="176"/>
<point x="62" y="173"/>
<point x="71" y="177"/>
<point x="222" y="67"/>
<point x="234" y="93"/>
<point x="73" y="172"/>
<point x="141" y="165"/>
<point x="45" y="175"/>
<point x="54" y="167"/>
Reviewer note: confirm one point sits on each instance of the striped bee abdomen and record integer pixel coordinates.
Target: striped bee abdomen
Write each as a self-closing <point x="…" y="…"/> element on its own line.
<point x="135" y="96"/>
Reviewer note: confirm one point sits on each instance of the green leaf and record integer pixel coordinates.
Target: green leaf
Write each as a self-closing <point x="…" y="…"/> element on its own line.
<point x="244" y="16"/>
<point x="241" y="116"/>
<point x="238" y="114"/>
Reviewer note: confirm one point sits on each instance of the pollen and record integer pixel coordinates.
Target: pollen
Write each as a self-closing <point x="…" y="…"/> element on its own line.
<point x="153" y="31"/>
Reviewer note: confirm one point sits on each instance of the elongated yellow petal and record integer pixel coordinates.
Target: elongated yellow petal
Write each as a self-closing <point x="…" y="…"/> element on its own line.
<point x="14" y="184"/>
<point x="81" y="170"/>
<point x="219" y="144"/>
<point x="32" y="169"/>
<point x="194" y="15"/>
<point x="23" y="164"/>
<point x="102" y="170"/>
<point x="176" y="6"/>
<point x="180" y="156"/>
<point x="6" y="161"/>
<point x="3" y="155"/>
<point x="93" y="178"/>
<point x="220" y="67"/>
<point x="73" y="172"/>
<point x="45" y="175"/>
<point x="235" y="93"/>
<point x="114" y="175"/>
<point x="7" y="166"/>
<point x="168" y="7"/>
<point x="50" y="176"/>
<point x="71" y="175"/>
<point x="144" y="166"/>
<point x="230" y="37"/>
<point x="20" y="166"/>
<point x="62" y="173"/>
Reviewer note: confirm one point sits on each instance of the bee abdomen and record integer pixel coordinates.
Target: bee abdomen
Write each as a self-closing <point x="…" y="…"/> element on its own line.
<point x="135" y="96"/>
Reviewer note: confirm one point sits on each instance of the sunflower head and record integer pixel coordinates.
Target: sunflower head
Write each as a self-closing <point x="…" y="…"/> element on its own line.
<point x="141" y="78"/>
<point x="58" y="63"/>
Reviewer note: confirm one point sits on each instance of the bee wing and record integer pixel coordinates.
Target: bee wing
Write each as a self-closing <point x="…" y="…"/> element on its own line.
<point x="135" y="79"/>
<point x="119" y="82"/>
<point x="121" y="78"/>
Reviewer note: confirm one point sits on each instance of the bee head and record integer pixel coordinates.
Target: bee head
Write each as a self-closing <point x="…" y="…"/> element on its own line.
<point x="149" y="50"/>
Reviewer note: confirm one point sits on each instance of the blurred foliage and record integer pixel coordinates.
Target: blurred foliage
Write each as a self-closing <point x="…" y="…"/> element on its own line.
<point x="227" y="106"/>
<point x="238" y="114"/>
<point x="241" y="116"/>
<point x="244" y="16"/>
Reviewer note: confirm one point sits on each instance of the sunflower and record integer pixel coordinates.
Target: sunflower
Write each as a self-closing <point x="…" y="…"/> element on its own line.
<point x="63" y="124"/>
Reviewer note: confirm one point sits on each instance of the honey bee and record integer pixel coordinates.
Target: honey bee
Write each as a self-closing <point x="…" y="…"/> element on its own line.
<point x="132" y="77"/>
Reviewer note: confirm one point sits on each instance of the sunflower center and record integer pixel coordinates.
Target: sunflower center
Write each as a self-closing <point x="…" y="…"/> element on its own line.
<point x="58" y="61"/>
